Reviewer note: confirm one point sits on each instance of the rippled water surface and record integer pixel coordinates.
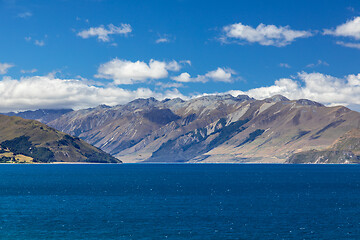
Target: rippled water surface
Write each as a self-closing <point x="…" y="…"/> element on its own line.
<point x="174" y="201"/>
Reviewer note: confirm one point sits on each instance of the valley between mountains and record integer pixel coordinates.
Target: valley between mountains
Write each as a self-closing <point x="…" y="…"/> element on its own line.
<point x="215" y="128"/>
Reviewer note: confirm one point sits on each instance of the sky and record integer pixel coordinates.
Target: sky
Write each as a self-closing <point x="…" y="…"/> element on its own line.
<point x="80" y="54"/>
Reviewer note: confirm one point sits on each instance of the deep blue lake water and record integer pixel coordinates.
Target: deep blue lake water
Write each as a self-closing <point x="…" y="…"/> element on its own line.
<point x="174" y="201"/>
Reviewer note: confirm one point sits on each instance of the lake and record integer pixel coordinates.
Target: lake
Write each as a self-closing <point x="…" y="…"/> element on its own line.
<point x="179" y="201"/>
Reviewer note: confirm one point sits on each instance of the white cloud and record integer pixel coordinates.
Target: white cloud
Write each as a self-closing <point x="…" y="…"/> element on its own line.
<point x="29" y="71"/>
<point x="349" y="29"/>
<point x="127" y="72"/>
<point x="169" y="85"/>
<point x="184" y="77"/>
<point x="4" y="67"/>
<point x="219" y="75"/>
<point x="80" y="19"/>
<point x="51" y="92"/>
<point x="102" y="33"/>
<point x="267" y="35"/>
<point x="318" y="63"/>
<point x="319" y="87"/>
<point x="349" y="45"/>
<point x="162" y="40"/>
<point x="284" y="65"/>
<point x="24" y="15"/>
<point x="188" y="62"/>
<point x="173" y="66"/>
<point x="39" y="43"/>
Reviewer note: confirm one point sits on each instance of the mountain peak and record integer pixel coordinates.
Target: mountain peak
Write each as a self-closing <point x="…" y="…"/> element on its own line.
<point x="216" y="97"/>
<point x="244" y="98"/>
<point x="277" y="98"/>
<point x="143" y="102"/>
<point x="173" y="100"/>
<point x="308" y="103"/>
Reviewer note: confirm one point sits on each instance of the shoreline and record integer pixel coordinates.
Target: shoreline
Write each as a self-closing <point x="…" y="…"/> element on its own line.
<point x="175" y="163"/>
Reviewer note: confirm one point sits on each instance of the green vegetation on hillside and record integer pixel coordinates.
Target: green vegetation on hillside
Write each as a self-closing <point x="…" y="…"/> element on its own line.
<point x="22" y="145"/>
<point x="31" y="141"/>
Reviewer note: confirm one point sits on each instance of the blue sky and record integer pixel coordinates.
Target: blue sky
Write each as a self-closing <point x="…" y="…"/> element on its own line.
<point x="77" y="54"/>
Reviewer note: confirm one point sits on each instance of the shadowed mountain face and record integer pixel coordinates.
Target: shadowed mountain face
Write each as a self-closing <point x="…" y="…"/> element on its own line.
<point x="219" y="128"/>
<point x="29" y="141"/>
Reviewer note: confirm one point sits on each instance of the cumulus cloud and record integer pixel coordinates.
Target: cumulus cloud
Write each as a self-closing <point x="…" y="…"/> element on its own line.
<point x="51" y="92"/>
<point x="185" y="77"/>
<point x="128" y="72"/>
<point x="102" y="33"/>
<point x="219" y="75"/>
<point x="266" y="35"/>
<point x="173" y="66"/>
<point x="4" y="67"/>
<point x="349" y="29"/>
<point x="319" y="87"/>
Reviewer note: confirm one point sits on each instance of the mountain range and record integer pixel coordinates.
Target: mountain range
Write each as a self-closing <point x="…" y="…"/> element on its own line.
<point x="218" y="128"/>
<point x="41" y="115"/>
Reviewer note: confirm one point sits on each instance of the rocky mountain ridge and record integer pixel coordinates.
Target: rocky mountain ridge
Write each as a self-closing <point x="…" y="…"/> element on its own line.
<point x="214" y="128"/>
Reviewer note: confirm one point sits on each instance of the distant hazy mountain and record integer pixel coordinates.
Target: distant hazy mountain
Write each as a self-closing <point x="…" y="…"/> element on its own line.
<point x="24" y="140"/>
<point x="217" y="128"/>
<point x="41" y="115"/>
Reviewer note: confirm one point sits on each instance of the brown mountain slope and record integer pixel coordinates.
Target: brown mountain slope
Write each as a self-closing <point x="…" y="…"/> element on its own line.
<point x="210" y="129"/>
<point x="37" y="142"/>
<point x="345" y="149"/>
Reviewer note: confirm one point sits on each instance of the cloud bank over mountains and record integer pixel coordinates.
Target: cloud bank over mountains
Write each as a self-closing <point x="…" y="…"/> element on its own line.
<point x="51" y="92"/>
<point x="319" y="87"/>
